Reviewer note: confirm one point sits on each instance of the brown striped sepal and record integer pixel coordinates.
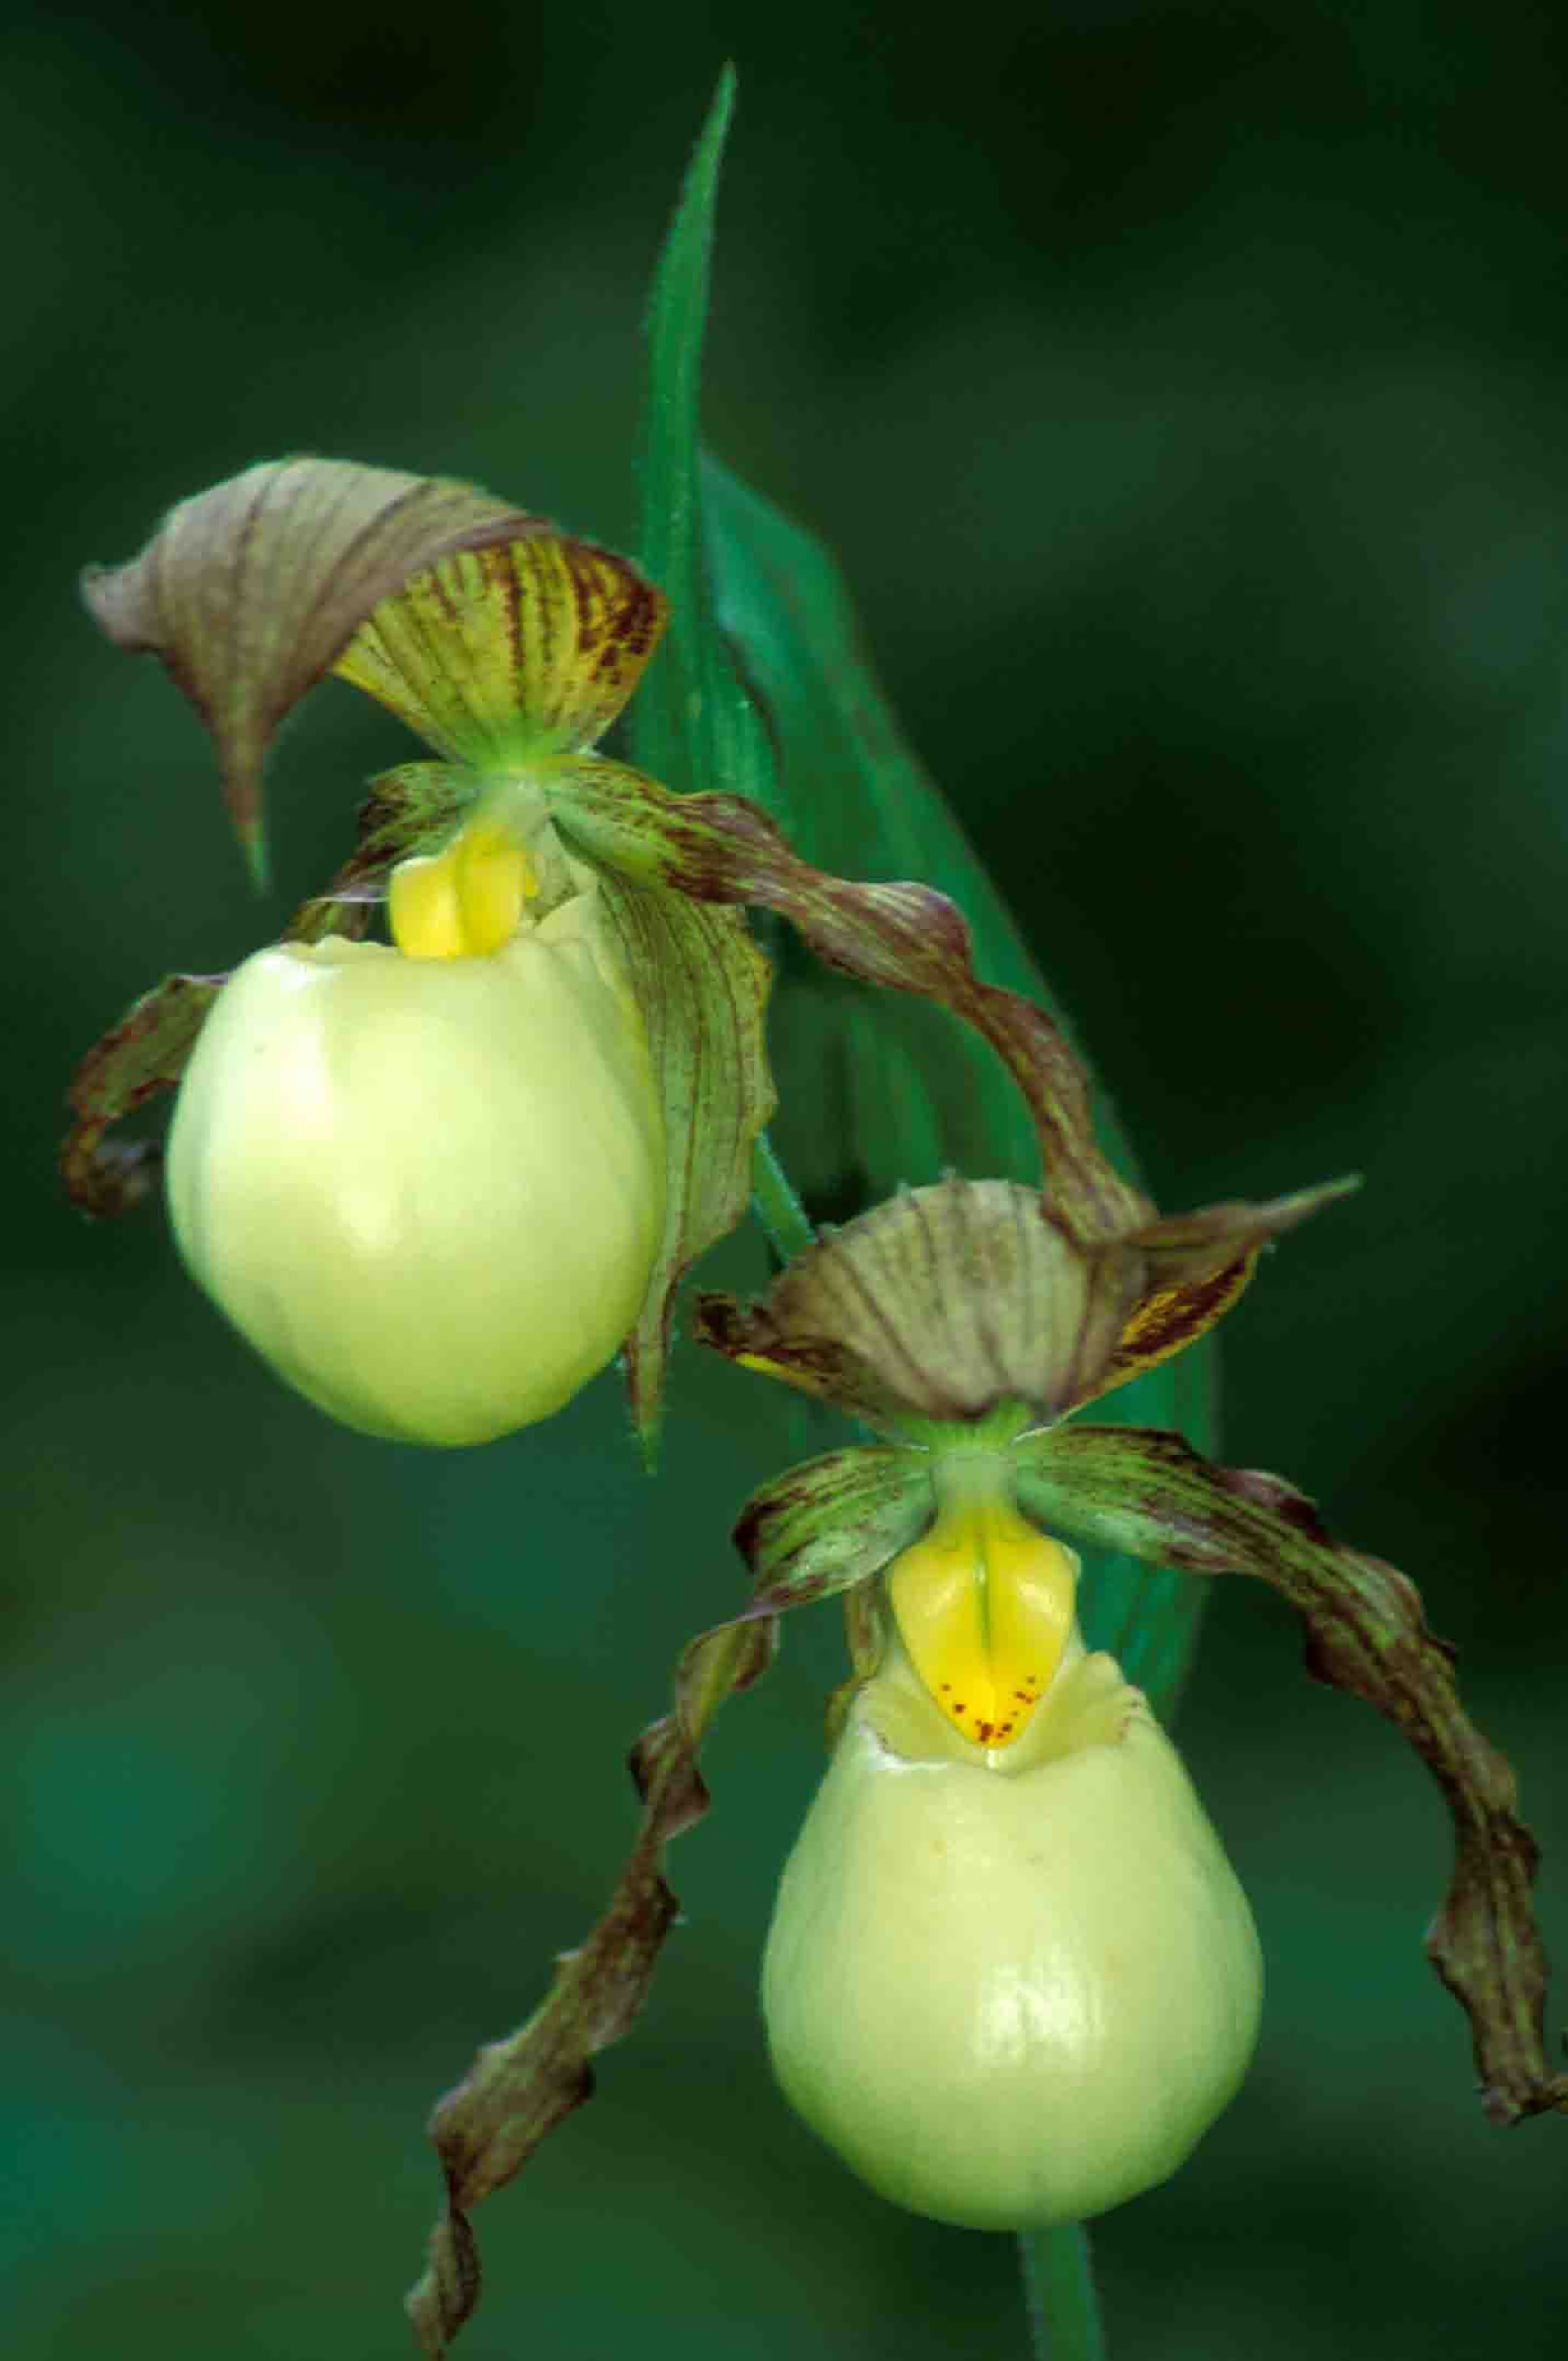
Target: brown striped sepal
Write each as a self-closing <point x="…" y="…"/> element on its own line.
<point x="944" y="1304"/>
<point x="250" y="592"/>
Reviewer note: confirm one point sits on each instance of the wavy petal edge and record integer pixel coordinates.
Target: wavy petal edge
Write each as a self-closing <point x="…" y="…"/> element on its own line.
<point x="1148" y="1492"/>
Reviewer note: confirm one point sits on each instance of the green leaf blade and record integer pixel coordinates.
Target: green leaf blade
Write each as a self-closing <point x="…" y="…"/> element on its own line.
<point x="693" y="725"/>
<point x="763" y="689"/>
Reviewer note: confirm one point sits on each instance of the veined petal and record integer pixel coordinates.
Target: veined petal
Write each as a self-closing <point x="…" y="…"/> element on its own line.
<point x="1196" y="1266"/>
<point x="145" y="1053"/>
<point x="719" y="848"/>
<point x="807" y="1535"/>
<point x="1150" y="1494"/>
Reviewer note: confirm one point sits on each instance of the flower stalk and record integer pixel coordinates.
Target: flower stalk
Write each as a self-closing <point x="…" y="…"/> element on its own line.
<point x="1059" y="2296"/>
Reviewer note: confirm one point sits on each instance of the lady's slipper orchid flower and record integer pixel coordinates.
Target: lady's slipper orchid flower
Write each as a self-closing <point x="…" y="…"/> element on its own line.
<point x="967" y="1325"/>
<point x="1011" y="1978"/>
<point x="427" y="1181"/>
<point x="1010" y="1975"/>
<point x="985" y="1936"/>
<point x="511" y="648"/>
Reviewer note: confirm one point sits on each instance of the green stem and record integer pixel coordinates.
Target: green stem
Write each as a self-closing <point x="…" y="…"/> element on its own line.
<point x="1058" y="2294"/>
<point x="776" y="1204"/>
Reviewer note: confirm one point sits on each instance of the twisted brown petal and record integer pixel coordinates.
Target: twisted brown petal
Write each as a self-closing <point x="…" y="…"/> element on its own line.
<point x="718" y="848"/>
<point x="819" y="1529"/>
<point x="1151" y="1494"/>
<point x="145" y="1053"/>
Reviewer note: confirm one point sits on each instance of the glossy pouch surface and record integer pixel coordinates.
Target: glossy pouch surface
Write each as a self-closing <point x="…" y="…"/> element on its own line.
<point x="428" y="1190"/>
<point x="1010" y="1988"/>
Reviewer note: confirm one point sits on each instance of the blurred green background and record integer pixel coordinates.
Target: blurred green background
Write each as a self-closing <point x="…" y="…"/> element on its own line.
<point x="1182" y="386"/>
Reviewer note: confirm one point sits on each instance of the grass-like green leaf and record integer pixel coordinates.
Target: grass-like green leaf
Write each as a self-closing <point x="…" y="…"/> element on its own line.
<point x="693" y="724"/>
<point x="763" y="688"/>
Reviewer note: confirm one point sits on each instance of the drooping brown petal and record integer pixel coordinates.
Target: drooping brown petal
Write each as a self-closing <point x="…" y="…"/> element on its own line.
<point x="145" y="1053"/>
<point x="1197" y="1264"/>
<point x="500" y="653"/>
<point x="1150" y="1494"/>
<point x="149" y="1050"/>
<point x="249" y="592"/>
<point x="718" y="848"/>
<point x="941" y="1304"/>
<point x="520" y="2088"/>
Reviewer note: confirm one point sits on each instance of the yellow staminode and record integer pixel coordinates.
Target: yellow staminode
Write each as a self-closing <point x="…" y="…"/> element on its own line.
<point x="466" y="901"/>
<point x="984" y="1604"/>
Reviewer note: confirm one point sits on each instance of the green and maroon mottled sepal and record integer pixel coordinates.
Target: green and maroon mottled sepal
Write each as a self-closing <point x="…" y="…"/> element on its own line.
<point x="833" y="1522"/>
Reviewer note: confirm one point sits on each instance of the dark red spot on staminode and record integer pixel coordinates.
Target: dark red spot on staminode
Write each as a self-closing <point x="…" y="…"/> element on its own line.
<point x="946" y="1686"/>
<point x="958" y="1706"/>
<point x="986" y="1727"/>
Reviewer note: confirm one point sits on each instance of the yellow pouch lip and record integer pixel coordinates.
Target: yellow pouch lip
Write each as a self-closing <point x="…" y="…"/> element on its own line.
<point x="466" y="901"/>
<point x="983" y="1604"/>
